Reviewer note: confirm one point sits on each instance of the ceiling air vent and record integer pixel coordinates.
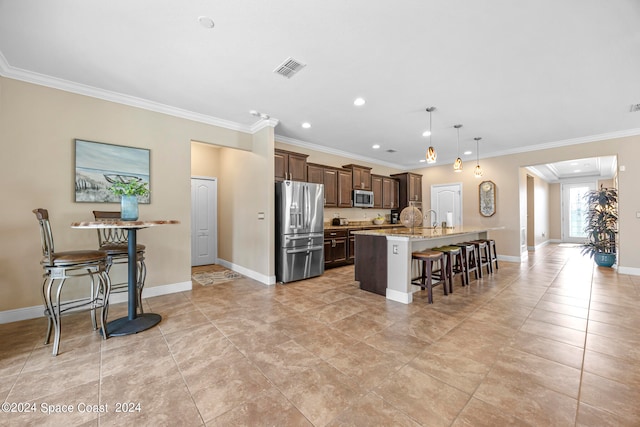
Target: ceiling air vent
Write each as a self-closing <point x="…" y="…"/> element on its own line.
<point x="289" y="67"/>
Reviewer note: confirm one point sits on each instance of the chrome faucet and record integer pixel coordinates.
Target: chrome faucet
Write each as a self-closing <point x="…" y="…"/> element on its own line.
<point x="434" y="217"/>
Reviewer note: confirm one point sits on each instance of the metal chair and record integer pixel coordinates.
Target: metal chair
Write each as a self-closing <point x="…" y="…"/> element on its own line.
<point x="113" y="242"/>
<point x="59" y="266"/>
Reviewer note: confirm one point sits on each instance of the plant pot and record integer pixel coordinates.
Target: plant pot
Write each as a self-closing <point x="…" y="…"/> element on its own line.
<point x="129" y="208"/>
<point x="604" y="260"/>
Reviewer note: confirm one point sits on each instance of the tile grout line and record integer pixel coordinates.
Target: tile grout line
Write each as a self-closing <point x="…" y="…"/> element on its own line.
<point x="584" y="351"/>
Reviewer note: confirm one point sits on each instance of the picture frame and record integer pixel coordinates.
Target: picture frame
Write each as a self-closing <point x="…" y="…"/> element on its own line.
<point x="487" y="192"/>
<point x="98" y="165"/>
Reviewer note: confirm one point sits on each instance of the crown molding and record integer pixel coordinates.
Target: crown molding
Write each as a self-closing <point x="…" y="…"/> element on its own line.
<point x="263" y="123"/>
<point x="328" y="150"/>
<point x="8" y="71"/>
<point x="566" y="142"/>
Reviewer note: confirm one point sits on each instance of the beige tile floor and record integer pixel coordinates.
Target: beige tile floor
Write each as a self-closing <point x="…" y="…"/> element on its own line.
<point x="550" y="342"/>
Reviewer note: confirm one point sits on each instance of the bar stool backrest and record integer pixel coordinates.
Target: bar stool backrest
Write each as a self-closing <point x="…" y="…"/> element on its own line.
<point x="46" y="236"/>
<point x="110" y="236"/>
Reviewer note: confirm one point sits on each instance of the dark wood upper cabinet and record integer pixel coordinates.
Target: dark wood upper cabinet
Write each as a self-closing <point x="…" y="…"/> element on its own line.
<point x="390" y="193"/>
<point x="376" y="187"/>
<point x="361" y="177"/>
<point x="290" y="166"/>
<point x="330" y="179"/>
<point x="410" y="188"/>
<point x="315" y="173"/>
<point x="344" y="188"/>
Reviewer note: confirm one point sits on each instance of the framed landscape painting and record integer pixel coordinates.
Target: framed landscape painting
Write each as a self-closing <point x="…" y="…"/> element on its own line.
<point x="99" y="165"/>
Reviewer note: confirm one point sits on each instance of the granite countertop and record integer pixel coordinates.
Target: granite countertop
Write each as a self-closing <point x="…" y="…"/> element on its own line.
<point x="118" y="223"/>
<point x="421" y="232"/>
<point x="359" y="225"/>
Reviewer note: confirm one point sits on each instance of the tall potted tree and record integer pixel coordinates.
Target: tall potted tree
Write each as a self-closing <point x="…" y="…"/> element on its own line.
<point x="601" y="225"/>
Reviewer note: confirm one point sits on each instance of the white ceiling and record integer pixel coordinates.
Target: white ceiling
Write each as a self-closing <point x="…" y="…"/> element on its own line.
<point x="521" y="75"/>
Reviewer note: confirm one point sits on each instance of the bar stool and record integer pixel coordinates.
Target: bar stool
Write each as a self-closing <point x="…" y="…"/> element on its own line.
<point x="484" y="255"/>
<point x="492" y="251"/>
<point x="59" y="266"/>
<point x="469" y="261"/>
<point x="428" y="259"/>
<point x="454" y="263"/>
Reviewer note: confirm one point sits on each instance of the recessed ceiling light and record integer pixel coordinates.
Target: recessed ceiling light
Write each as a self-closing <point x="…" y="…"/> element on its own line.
<point x="359" y="102"/>
<point x="422" y="160"/>
<point x="375" y="146"/>
<point x="205" y="21"/>
<point x="574" y="164"/>
<point x="426" y="133"/>
<point x="466" y="153"/>
<point x="577" y="170"/>
<point x="306" y="125"/>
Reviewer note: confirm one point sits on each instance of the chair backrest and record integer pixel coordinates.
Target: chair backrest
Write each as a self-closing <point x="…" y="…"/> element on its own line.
<point x="110" y="236"/>
<point x="46" y="236"/>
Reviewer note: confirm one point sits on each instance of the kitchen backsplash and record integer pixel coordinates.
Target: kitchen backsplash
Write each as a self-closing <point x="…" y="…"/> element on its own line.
<point x="355" y="214"/>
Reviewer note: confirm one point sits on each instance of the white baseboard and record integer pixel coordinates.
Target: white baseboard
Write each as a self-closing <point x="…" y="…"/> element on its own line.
<point x="267" y="280"/>
<point x="631" y="271"/>
<point x="403" y="297"/>
<point x="34" y="312"/>
<point x="18" y="314"/>
<point x="508" y="258"/>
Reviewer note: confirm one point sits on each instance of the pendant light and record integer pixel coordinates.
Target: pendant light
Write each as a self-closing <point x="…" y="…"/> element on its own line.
<point x="457" y="166"/>
<point x="477" y="172"/>
<point x="431" y="152"/>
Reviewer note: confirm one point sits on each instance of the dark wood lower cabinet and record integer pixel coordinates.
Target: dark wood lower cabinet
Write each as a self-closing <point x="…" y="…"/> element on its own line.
<point x="371" y="263"/>
<point x="340" y="246"/>
<point x="335" y="248"/>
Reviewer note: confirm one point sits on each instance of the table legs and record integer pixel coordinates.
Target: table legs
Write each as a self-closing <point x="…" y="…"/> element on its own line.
<point x="134" y="322"/>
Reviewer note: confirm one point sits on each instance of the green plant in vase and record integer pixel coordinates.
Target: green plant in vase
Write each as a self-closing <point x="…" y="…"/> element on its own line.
<point x="601" y="225"/>
<point x="129" y="191"/>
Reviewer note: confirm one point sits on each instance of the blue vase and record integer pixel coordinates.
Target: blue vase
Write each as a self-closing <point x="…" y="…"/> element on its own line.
<point x="129" y="208"/>
<point x="605" y="260"/>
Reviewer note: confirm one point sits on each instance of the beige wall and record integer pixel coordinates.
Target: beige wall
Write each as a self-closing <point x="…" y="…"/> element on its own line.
<point x="540" y="211"/>
<point x="555" y="213"/>
<point x="38" y="126"/>
<point x="205" y="160"/>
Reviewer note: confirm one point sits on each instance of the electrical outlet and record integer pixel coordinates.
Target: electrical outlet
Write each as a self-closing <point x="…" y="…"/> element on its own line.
<point x="395" y="249"/>
<point x="637" y="214"/>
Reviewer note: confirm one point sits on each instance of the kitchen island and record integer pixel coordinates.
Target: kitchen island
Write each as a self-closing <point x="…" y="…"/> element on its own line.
<point x="383" y="257"/>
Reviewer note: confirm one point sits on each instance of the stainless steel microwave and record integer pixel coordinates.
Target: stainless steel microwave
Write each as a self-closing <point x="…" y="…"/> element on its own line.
<point x="362" y="199"/>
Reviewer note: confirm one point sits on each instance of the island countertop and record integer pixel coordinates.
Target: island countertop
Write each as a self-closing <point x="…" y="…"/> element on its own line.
<point x="383" y="257"/>
<point x="422" y="233"/>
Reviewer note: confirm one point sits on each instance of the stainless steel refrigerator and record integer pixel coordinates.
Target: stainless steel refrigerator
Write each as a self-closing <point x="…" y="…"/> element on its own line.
<point x="299" y="230"/>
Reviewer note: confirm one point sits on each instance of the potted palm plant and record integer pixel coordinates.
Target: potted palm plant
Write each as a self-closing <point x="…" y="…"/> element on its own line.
<point x="129" y="191"/>
<point x="601" y="225"/>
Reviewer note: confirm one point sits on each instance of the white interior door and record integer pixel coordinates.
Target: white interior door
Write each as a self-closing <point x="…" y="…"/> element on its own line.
<point x="574" y="210"/>
<point x="447" y="198"/>
<point x="204" y="221"/>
